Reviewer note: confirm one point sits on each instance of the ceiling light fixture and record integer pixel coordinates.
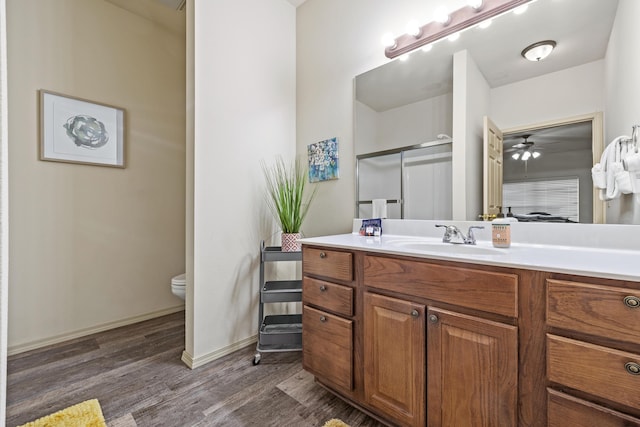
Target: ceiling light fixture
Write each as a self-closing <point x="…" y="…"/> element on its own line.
<point x="538" y="51"/>
<point x="525" y="154"/>
<point x="446" y="23"/>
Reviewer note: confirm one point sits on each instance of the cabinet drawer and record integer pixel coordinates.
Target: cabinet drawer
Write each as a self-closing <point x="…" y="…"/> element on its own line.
<point x="327" y="347"/>
<point x="328" y="296"/>
<point x="564" y="410"/>
<point x="597" y="370"/>
<point x="327" y="263"/>
<point x="481" y="290"/>
<point x="593" y="309"/>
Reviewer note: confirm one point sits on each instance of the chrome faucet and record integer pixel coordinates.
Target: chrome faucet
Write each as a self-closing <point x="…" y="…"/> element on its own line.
<point x="451" y="232"/>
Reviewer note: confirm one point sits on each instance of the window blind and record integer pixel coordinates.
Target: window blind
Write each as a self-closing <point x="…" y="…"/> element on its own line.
<point x="555" y="196"/>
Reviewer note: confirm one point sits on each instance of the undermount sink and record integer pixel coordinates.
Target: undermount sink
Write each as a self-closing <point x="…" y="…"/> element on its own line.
<point x="449" y="248"/>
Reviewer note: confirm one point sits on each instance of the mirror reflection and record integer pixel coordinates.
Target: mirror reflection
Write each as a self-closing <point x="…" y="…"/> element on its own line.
<point x="449" y="89"/>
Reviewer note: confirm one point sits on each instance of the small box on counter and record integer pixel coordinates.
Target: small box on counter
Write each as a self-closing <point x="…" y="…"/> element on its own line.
<point x="371" y="227"/>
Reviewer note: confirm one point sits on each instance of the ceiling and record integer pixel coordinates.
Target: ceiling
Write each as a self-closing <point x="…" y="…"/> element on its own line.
<point x="581" y="29"/>
<point x="165" y="12"/>
<point x="157" y="11"/>
<point x="556" y="139"/>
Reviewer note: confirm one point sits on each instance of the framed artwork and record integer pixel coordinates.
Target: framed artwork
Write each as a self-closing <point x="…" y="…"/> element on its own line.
<point x="74" y="130"/>
<point x="323" y="160"/>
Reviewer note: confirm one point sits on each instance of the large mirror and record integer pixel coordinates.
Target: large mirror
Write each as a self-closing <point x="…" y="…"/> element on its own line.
<point x="553" y="107"/>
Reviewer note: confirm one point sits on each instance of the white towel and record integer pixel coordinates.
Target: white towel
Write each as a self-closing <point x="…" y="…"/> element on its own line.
<point x="632" y="165"/>
<point x="610" y="164"/>
<point x="599" y="176"/>
<point x="379" y="208"/>
<point x="623" y="180"/>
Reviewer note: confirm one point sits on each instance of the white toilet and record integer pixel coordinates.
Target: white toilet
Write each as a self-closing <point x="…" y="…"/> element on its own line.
<point x="179" y="286"/>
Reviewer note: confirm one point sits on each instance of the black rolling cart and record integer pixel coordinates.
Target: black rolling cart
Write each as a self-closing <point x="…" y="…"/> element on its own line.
<point x="280" y="332"/>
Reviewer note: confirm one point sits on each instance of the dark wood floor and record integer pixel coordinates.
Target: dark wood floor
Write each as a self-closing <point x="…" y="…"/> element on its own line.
<point x="136" y="374"/>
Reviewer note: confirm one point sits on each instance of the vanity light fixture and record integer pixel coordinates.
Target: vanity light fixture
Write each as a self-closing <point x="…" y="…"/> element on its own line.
<point x="538" y="51"/>
<point x="446" y="24"/>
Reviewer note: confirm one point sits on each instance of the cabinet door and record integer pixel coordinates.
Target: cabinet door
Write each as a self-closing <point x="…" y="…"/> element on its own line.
<point x="327" y="347"/>
<point x="394" y="358"/>
<point x="472" y="371"/>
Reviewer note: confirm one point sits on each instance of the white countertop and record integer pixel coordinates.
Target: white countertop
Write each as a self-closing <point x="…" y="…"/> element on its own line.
<point x="583" y="256"/>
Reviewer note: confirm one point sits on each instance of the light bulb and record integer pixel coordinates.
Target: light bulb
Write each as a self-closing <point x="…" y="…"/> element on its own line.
<point x="515" y="156"/>
<point x="388" y="40"/>
<point x="521" y="9"/>
<point x="426" y="48"/>
<point x="476" y="4"/>
<point x="485" y="24"/>
<point x="404" y="57"/>
<point x="453" y="37"/>
<point x="525" y="156"/>
<point x="535" y="154"/>
<point x="413" y="29"/>
<point x="441" y="15"/>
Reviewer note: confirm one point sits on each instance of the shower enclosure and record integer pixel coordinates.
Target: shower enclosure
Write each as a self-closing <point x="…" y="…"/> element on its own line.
<point x="415" y="181"/>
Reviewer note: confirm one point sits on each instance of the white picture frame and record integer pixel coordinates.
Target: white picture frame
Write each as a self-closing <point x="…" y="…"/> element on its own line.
<point x="74" y="130"/>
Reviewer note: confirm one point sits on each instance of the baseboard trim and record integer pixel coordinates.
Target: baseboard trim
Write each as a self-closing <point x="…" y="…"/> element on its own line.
<point x="192" y="363"/>
<point x="33" y="345"/>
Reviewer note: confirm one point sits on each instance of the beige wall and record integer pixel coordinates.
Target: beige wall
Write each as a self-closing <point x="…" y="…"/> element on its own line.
<point x="93" y="246"/>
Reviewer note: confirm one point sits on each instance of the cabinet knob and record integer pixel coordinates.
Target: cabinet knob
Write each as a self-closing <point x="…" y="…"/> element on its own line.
<point x="323" y="255"/>
<point x="323" y="288"/>
<point x="433" y="318"/>
<point x="415" y="313"/>
<point x="632" y="368"/>
<point x="323" y="319"/>
<point x="632" y="302"/>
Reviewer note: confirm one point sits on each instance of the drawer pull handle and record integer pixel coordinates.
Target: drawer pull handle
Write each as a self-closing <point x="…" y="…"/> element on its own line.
<point x="433" y="318"/>
<point x="632" y="302"/>
<point x="632" y="368"/>
<point x="323" y="319"/>
<point x="323" y="255"/>
<point x="415" y="313"/>
<point x="323" y="288"/>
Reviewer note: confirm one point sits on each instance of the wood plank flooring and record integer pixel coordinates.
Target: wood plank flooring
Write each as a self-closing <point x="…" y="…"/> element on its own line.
<point x="136" y="374"/>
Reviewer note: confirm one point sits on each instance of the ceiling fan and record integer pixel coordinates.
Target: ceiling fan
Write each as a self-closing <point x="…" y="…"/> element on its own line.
<point x="524" y="150"/>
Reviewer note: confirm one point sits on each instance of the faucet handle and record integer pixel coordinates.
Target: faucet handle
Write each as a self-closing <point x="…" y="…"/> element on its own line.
<point x="471" y="238"/>
<point x="448" y="231"/>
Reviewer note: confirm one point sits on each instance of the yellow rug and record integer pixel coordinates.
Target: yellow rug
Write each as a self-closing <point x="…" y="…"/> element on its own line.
<point x="335" y="423"/>
<point x="85" y="414"/>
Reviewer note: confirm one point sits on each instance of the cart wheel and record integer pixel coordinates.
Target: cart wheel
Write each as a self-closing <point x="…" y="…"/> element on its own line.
<point x="256" y="359"/>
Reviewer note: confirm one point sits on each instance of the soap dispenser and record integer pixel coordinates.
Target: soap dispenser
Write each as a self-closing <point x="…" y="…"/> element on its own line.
<point x="501" y="232"/>
<point x="501" y="229"/>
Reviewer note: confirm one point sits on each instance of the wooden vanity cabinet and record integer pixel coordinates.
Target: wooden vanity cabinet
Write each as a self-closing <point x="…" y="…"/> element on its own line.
<point x="471" y="368"/>
<point x="327" y="317"/>
<point x="593" y="352"/>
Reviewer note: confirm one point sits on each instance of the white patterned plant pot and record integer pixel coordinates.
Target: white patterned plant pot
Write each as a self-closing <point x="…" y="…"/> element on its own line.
<point x="290" y="242"/>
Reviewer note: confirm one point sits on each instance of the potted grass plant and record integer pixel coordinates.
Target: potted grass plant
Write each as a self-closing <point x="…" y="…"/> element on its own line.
<point x="287" y="199"/>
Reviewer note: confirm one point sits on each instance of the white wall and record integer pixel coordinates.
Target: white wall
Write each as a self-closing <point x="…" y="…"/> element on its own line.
<point x="563" y="94"/>
<point x="471" y="100"/>
<point x="243" y="112"/>
<point x="415" y="123"/>
<point x="93" y="247"/>
<point x="622" y="96"/>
